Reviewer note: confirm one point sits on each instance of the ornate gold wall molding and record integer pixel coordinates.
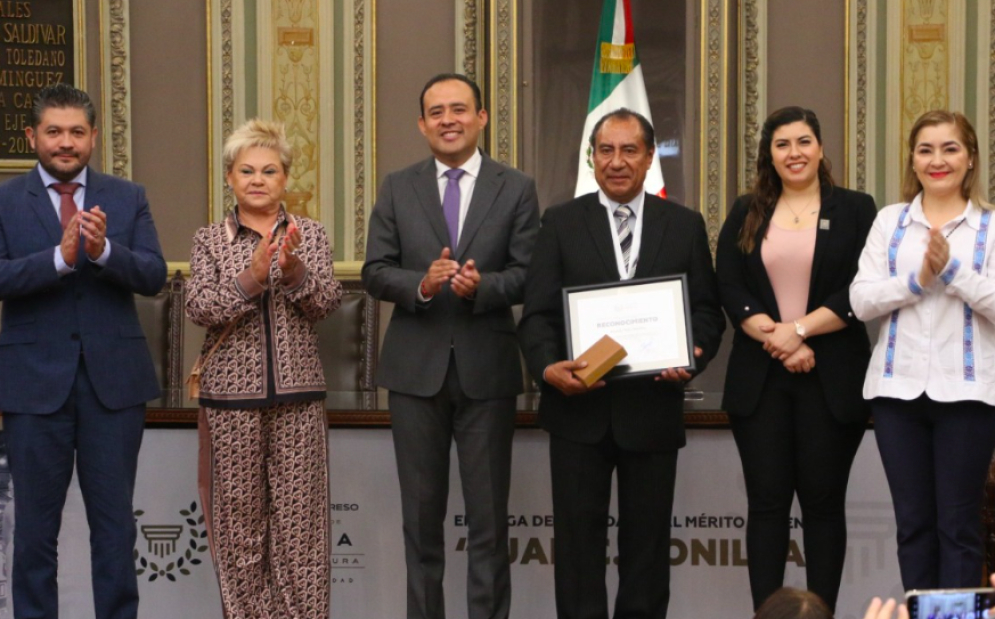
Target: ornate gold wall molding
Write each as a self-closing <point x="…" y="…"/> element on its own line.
<point x="857" y="101"/>
<point x="469" y="37"/>
<point x="499" y="83"/>
<point x="221" y="100"/>
<point x="227" y="89"/>
<point x="714" y="93"/>
<point x="115" y="86"/>
<point x="752" y="86"/>
<point x="502" y="81"/>
<point x="358" y="106"/>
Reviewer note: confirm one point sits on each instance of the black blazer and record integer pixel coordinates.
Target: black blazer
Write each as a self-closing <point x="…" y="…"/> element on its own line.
<point x="841" y="357"/>
<point x="574" y="248"/>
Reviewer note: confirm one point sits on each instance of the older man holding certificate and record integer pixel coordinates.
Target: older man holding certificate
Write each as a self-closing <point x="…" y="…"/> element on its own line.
<point x="634" y="423"/>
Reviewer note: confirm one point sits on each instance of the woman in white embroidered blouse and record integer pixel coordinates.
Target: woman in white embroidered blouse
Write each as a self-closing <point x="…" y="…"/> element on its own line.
<point x="926" y="272"/>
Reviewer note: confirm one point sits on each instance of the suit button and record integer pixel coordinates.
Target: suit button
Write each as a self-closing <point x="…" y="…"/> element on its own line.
<point x="74" y="337"/>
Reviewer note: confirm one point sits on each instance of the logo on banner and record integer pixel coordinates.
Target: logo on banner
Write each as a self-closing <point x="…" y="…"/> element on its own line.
<point x="167" y="549"/>
<point x="347" y="560"/>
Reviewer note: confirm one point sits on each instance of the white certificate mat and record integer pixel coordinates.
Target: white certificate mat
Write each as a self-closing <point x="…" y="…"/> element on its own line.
<point x="648" y="317"/>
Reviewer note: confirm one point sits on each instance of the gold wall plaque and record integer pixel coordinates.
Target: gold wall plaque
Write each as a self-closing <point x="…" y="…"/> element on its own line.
<point x="295" y="36"/>
<point x="927" y="33"/>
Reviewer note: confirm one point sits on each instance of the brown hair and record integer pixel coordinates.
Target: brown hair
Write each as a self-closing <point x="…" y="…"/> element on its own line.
<point x="767" y="188"/>
<point x="788" y="603"/>
<point x="970" y="188"/>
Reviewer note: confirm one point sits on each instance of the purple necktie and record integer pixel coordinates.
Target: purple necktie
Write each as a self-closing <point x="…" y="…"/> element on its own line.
<point x="450" y="205"/>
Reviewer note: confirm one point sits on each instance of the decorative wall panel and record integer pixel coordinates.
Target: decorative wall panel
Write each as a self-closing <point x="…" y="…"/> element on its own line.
<point x="289" y="60"/>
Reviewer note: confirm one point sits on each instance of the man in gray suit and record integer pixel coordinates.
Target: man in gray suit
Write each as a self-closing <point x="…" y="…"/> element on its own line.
<point x="450" y="240"/>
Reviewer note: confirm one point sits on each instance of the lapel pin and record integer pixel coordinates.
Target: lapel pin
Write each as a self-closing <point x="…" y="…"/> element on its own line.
<point x="823" y="224"/>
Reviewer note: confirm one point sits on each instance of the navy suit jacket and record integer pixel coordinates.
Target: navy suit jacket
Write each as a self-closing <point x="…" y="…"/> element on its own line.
<point x="841" y="357"/>
<point x="48" y="321"/>
<point x="575" y="248"/>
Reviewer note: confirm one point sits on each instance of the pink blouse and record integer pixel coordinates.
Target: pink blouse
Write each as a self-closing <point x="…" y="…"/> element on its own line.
<point x="787" y="256"/>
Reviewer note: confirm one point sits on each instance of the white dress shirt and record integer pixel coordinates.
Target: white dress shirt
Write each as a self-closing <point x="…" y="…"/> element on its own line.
<point x="939" y="340"/>
<point x="635" y="228"/>
<point x="471" y="170"/>
<point x="78" y="197"/>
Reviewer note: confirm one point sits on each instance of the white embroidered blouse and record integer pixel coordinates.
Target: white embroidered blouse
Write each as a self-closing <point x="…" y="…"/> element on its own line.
<point x="939" y="340"/>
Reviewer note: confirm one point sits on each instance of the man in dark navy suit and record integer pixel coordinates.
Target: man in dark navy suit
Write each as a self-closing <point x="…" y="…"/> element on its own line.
<point x="75" y="370"/>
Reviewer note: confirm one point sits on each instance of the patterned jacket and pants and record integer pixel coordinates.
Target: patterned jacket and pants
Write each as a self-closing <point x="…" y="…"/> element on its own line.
<point x="263" y="394"/>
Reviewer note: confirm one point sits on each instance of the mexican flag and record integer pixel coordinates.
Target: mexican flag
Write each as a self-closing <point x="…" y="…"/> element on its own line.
<point x="617" y="82"/>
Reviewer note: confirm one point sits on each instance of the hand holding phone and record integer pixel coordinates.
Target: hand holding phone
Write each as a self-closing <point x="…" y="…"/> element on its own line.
<point x="950" y="603"/>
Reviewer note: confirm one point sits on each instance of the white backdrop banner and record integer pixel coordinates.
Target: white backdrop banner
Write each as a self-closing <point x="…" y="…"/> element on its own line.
<point x="708" y="549"/>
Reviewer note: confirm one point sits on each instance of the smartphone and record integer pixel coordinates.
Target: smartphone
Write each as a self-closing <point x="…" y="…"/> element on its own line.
<point x="950" y="603"/>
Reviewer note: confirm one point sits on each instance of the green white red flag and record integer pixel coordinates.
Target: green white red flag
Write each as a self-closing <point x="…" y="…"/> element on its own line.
<point x="617" y="82"/>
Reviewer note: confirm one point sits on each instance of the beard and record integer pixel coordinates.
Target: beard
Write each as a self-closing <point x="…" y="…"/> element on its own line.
<point x="61" y="169"/>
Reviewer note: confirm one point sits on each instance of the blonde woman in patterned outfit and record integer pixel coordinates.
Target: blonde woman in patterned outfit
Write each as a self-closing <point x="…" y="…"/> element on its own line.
<point x="263" y="390"/>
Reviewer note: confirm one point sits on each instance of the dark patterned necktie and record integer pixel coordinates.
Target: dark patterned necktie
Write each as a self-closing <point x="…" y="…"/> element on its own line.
<point x="67" y="206"/>
<point x="622" y="215"/>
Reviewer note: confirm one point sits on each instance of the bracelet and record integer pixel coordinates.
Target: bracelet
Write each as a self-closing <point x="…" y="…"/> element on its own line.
<point x="423" y="290"/>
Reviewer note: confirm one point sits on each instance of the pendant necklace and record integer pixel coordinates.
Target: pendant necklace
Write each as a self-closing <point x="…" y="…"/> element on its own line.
<point x="805" y="208"/>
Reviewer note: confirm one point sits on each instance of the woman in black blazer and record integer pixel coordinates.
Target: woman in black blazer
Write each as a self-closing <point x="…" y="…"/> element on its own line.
<point x="786" y="255"/>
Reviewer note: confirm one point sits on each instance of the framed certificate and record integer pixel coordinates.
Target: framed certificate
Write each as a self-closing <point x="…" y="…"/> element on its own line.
<point x="649" y="317"/>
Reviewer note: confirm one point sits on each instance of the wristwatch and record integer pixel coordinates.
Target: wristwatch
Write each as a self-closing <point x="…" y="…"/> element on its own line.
<point x="800" y="329"/>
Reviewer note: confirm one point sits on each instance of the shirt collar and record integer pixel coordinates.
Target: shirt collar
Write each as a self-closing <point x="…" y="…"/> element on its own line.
<point x="471" y="166"/>
<point x="47" y="179"/>
<point x="233" y="224"/>
<point x="636" y="205"/>
<point x="971" y="214"/>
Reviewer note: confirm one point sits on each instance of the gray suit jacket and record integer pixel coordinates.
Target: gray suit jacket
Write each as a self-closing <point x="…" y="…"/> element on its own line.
<point x="407" y="232"/>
